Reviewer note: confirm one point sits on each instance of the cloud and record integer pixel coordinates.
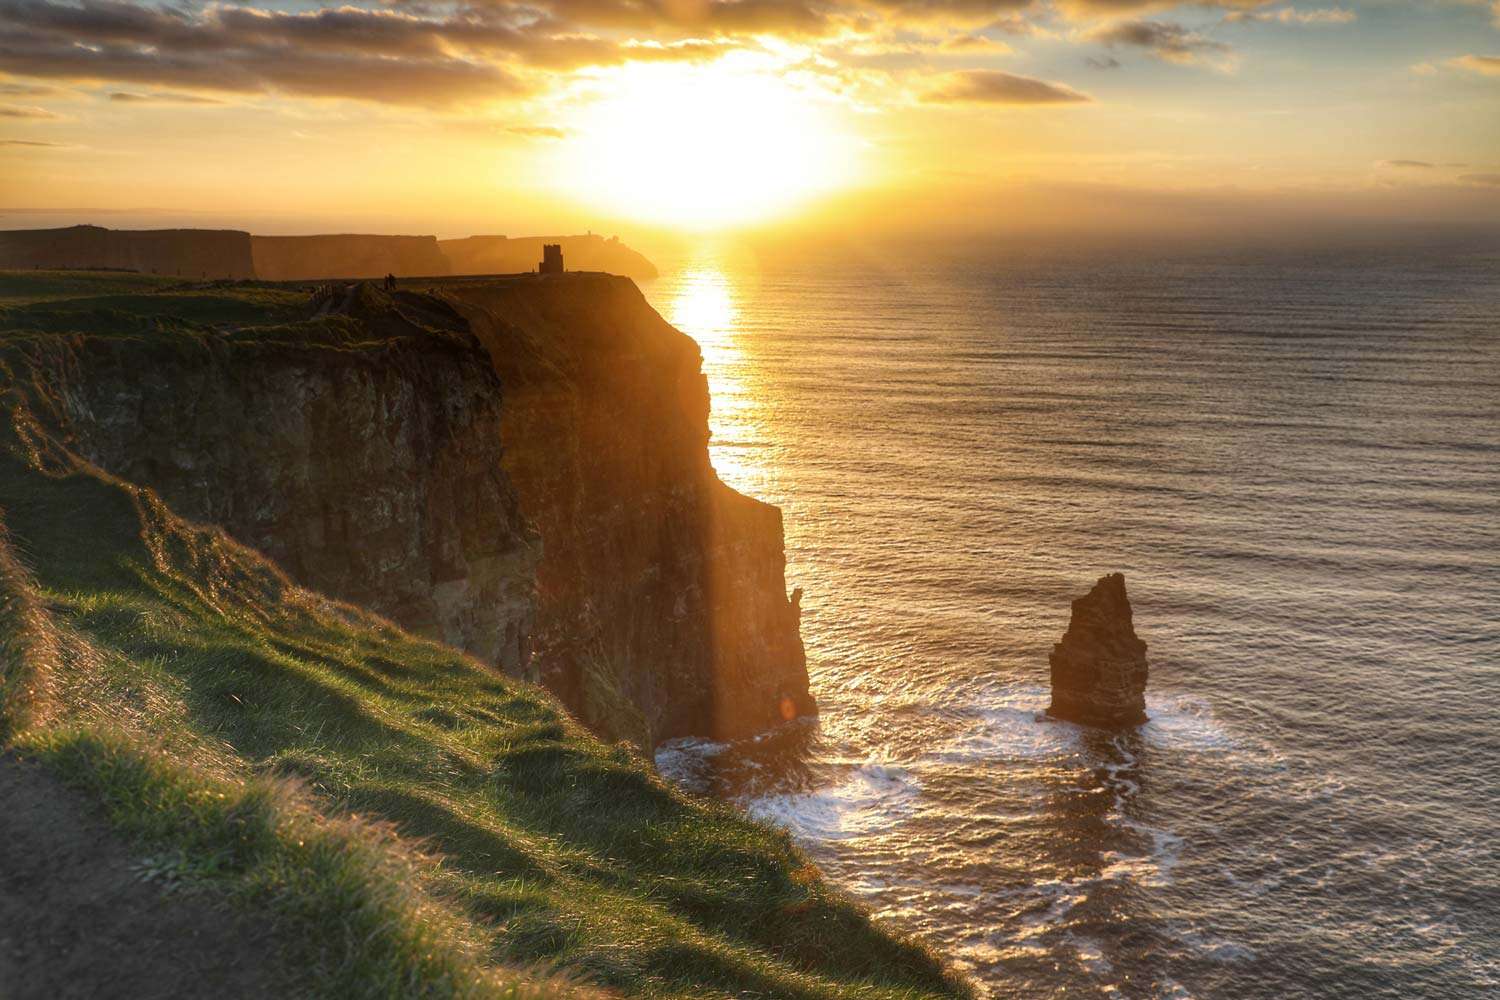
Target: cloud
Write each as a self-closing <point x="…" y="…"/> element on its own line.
<point x="538" y="131"/>
<point x="336" y="52"/>
<point x="1482" y="180"/>
<point x="1291" y="15"/>
<point x="975" y="43"/>
<point x="990" y="86"/>
<point x="1162" y="39"/>
<point x="1103" y="62"/>
<point x="32" y="142"/>
<point x="1084" y="9"/>
<point x="161" y="97"/>
<point x="1407" y="164"/>
<point x="710" y="17"/>
<point x="396" y="56"/>
<point x="25" y="90"/>
<point x="1018" y="24"/>
<point x="1487" y="65"/>
<point x="15" y="111"/>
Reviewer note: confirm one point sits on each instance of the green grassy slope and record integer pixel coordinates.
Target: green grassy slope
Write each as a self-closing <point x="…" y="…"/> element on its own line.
<point x="414" y="823"/>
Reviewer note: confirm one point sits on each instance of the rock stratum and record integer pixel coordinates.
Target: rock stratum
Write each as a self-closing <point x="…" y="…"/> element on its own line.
<point x="1099" y="668"/>
<point x="207" y="253"/>
<point x="517" y="467"/>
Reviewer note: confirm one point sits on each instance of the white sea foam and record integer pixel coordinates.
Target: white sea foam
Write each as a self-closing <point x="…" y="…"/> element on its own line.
<point x="871" y="799"/>
<point x="685" y="761"/>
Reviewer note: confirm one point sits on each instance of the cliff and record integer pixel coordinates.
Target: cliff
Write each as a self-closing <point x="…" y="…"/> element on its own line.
<point x="359" y="450"/>
<point x="392" y="817"/>
<point x="658" y="582"/>
<point x="186" y="253"/>
<point x="306" y="258"/>
<point x="502" y="255"/>
<point x="207" y="253"/>
<point x="357" y="441"/>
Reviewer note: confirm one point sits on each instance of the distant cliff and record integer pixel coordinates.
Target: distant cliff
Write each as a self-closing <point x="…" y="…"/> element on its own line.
<point x="209" y="253"/>
<point x="186" y="253"/>
<point x="357" y="440"/>
<point x="304" y="258"/>
<point x="502" y="255"/>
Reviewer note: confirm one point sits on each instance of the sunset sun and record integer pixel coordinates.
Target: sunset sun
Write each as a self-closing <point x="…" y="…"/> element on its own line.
<point x="704" y="146"/>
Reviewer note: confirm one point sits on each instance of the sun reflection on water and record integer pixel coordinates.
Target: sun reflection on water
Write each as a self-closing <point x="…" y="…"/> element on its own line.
<point x="704" y="303"/>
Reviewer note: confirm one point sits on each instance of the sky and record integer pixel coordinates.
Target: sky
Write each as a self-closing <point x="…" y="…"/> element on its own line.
<point x="713" y="115"/>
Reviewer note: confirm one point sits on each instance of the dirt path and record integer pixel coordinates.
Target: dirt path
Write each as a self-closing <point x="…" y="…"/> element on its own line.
<point x="76" y="920"/>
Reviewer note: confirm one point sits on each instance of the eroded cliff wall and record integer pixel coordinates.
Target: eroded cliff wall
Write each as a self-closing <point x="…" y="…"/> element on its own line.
<point x="662" y="604"/>
<point x="359" y="449"/>
<point x="188" y="253"/>
<point x="518" y="467"/>
<point x="307" y="258"/>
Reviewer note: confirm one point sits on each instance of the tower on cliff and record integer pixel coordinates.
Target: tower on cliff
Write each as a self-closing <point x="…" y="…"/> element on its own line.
<point x="552" y="262"/>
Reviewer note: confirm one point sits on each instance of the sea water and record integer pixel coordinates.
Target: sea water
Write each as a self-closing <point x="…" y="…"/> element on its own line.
<point x="1295" y="461"/>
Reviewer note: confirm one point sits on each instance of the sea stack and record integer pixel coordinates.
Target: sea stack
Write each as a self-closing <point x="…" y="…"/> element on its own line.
<point x="1099" y="668"/>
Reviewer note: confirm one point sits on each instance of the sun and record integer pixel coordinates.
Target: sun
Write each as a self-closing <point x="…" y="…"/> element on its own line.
<point x="704" y="146"/>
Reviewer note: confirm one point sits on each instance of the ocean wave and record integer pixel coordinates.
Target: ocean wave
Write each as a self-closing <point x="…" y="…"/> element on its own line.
<point x="870" y="799"/>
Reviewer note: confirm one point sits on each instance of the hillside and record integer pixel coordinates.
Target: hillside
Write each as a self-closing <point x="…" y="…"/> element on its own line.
<point x="401" y="818"/>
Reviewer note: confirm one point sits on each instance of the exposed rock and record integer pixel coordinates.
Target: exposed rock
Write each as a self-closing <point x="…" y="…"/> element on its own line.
<point x="662" y="590"/>
<point x="360" y="451"/>
<point x="303" y="258"/>
<point x="186" y="253"/>
<point x="1099" y="668"/>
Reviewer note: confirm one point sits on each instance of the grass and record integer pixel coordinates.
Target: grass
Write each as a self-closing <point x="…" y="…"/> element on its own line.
<point x="101" y="300"/>
<point x="410" y="822"/>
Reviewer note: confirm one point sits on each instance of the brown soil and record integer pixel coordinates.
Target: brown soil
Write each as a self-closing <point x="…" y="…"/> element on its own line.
<point x="78" y="920"/>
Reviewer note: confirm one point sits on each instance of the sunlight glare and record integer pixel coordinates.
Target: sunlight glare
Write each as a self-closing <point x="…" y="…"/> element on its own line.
<point x="703" y="307"/>
<point x="705" y="146"/>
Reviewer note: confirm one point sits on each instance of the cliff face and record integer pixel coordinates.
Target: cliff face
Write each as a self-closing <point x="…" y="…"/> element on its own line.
<point x="662" y="605"/>
<point x="189" y="253"/>
<point x="359" y="450"/>
<point x="305" y="258"/>
<point x="502" y="255"/>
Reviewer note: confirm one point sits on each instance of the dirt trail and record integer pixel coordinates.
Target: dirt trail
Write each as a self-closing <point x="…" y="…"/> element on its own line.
<point x="77" y="920"/>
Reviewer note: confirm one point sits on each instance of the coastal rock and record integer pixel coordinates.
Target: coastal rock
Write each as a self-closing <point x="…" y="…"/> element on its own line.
<point x="662" y="602"/>
<point x="1099" y="668"/>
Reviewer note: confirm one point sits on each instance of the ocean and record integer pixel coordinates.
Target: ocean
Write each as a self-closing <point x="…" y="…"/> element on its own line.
<point x="1293" y="458"/>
